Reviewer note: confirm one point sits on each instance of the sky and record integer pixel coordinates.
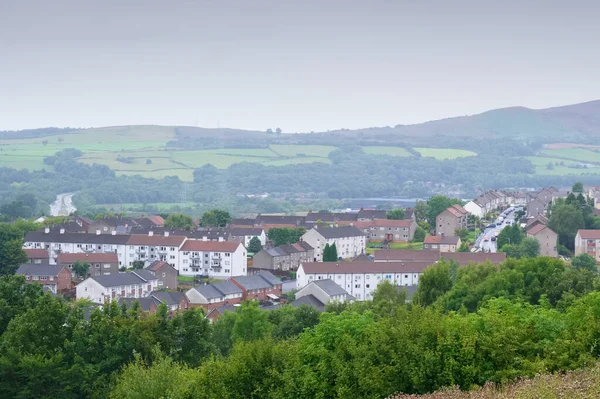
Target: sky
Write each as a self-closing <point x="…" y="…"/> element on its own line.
<point x="301" y="65"/>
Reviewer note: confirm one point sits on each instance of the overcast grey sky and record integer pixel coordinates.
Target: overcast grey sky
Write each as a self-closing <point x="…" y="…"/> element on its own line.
<point x="302" y="65"/>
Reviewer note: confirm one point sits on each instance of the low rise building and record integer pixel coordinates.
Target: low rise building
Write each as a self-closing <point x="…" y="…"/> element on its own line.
<point x="150" y="248"/>
<point x="284" y="257"/>
<point x="588" y="242"/>
<point x="245" y="234"/>
<point x="546" y="237"/>
<point x="213" y="259"/>
<point x="54" y="278"/>
<point x="101" y="264"/>
<point x="175" y="301"/>
<point x="442" y="243"/>
<point x="165" y="272"/>
<point x="350" y="241"/>
<point x="388" y="230"/>
<point x="262" y="286"/>
<point x="210" y="296"/>
<point x="38" y="256"/>
<point x="322" y="292"/>
<point x="452" y="218"/>
<point x="100" y="289"/>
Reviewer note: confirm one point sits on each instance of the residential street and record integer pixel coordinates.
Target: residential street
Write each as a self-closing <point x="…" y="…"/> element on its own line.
<point x="489" y="245"/>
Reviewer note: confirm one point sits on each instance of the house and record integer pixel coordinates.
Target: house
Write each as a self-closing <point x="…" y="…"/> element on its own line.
<point x="388" y="230"/>
<point x="214" y="314"/>
<point x="332" y="218"/>
<point x="284" y="257"/>
<point x="588" y="242"/>
<point x="175" y="301"/>
<point x="54" y="278"/>
<point x="100" y="289"/>
<point x="475" y="208"/>
<point x="245" y="234"/>
<point x="323" y="292"/>
<point x="360" y="279"/>
<point x="536" y="207"/>
<point x="166" y="273"/>
<point x="547" y="239"/>
<point x="452" y="218"/>
<point x="57" y="242"/>
<point x="151" y="247"/>
<point x="442" y="243"/>
<point x="350" y="241"/>
<point x="535" y="221"/>
<point x="261" y="286"/>
<point x="462" y="258"/>
<point x="216" y="259"/>
<point x="309" y="300"/>
<point x="276" y="220"/>
<point x="101" y="264"/>
<point x="210" y="296"/>
<point x="370" y="214"/>
<point x="37" y="256"/>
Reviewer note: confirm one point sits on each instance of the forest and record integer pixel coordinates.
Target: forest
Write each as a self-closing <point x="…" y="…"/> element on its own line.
<point x="465" y="326"/>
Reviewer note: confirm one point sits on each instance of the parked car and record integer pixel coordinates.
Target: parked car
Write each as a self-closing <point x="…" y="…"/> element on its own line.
<point x="494" y="238"/>
<point x="491" y="226"/>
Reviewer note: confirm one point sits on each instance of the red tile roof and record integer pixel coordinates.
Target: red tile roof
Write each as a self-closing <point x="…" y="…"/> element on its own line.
<point x="537" y="229"/>
<point x="91" y="257"/>
<point x="157" y="220"/>
<point x="457" y="210"/>
<point x="589" y="234"/>
<point x="157" y="266"/>
<point x="37" y="254"/>
<point x="156" y="240"/>
<point x="210" y="246"/>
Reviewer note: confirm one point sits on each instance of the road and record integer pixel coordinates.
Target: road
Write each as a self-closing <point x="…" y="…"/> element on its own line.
<point x="63" y="206"/>
<point x="490" y="246"/>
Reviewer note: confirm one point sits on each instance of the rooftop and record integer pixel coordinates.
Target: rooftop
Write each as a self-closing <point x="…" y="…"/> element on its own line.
<point x="34" y="269"/>
<point x="37" y="254"/>
<point x="134" y="277"/>
<point x="88" y="257"/>
<point x="330" y="287"/>
<point x="444" y="240"/>
<point x="365" y="267"/>
<point x="210" y="246"/>
<point x="340" y="231"/>
<point x="589" y="234"/>
<point x="156" y="240"/>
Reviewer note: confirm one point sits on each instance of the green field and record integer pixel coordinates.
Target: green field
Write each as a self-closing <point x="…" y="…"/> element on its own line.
<point x="541" y="167"/>
<point x="577" y="154"/>
<point x="444" y="153"/>
<point x="392" y="151"/>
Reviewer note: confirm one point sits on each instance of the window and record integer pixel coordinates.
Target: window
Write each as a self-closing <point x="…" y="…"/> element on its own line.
<point x="367" y="277"/>
<point x="388" y="276"/>
<point x="171" y="256"/>
<point x="339" y="277"/>
<point x="406" y="276"/>
<point x="172" y="248"/>
<point x="186" y="253"/>
<point x="368" y="286"/>
<point x="43" y="278"/>
<point x="97" y="265"/>
<point x="227" y="254"/>
<point x="185" y="261"/>
<point x="356" y="285"/>
<point x="165" y="274"/>
<point x="226" y="270"/>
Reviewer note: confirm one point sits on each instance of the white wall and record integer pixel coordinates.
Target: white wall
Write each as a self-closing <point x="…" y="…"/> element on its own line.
<point x="232" y="263"/>
<point x="474" y="209"/>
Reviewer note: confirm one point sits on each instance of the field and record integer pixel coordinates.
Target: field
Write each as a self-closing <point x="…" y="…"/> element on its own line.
<point x="444" y="153"/>
<point x="576" y="154"/>
<point x="560" y="167"/>
<point x="392" y="151"/>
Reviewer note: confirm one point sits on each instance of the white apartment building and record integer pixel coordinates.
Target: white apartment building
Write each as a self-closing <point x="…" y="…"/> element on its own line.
<point x="150" y="248"/>
<point x="100" y="289"/>
<point x="214" y="259"/>
<point x="588" y="242"/>
<point x="360" y="279"/>
<point x="350" y="241"/>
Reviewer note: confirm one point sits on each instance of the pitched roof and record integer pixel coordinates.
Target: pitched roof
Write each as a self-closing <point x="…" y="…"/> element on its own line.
<point x="362" y="258"/>
<point x="227" y="287"/>
<point x="405" y="255"/>
<point x="37" y="254"/>
<point x="457" y="210"/>
<point x="157" y="220"/>
<point x="211" y="246"/>
<point x="254" y="282"/>
<point x="371" y="213"/>
<point x="246" y="231"/>
<point x="35" y="269"/>
<point x="309" y="300"/>
<point x="331" y="217"/>
<point x="365" y="267"/>
<point x="157" y="265"/>
<point x="88" y="257"/>
<point x="276" y="219"/>
<point x="155" y="241"/>
<point x="134" y="277"/>
<point x="218" y="290"/>
<point x="76" y="238"/>
<point x="589" y="234"/>
<point x="445" y="240"/>
<point x="535" y="230"/>
<point x="145" y="303"/>
<point x="464" y="258"/>
<point x="404" y="223"/>
<point x="243" y="222"/>
<point x="269" y="277"/>
<point x="340" y="231"/>
<point x="330" y="287"/>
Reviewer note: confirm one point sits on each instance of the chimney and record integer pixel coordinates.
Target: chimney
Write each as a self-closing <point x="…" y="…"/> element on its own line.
<point x="47" y="230"/>
<point x="98" y="232"/>
<point x="114" y="232"/>
<point x="62" y="231"/>
<point x="150" y="233"/>
<point x="166" y="233"/>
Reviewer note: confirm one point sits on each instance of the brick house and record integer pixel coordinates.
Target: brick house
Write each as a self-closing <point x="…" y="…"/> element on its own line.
<point x="210" y="296"/>
<point x="452" y="218"/>
<point x="54" y="278"/>
<point x="166" y="273"/>
<point x="101" y="289"/>
<point x="261" y="286"/>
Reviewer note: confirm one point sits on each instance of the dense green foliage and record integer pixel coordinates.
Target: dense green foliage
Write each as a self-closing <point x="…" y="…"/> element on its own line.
<point x="11" y="243"/>
<point x="395" y="214"/>
<point x="81" y="269"/>
<point x="571" y="214"/>
<point x="215" y="218"/>
<point x="285" y="235"/>
<point x="179" y="221"/>
<point x="254" y="245"/>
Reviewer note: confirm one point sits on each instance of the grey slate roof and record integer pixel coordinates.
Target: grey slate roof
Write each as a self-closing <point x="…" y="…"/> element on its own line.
<point x="330" y="287"/>
<point x="246" y="231"/>
<point x="309" y="300"/>
<point x="227" y="287"/>
<point x="167" y="297"/>
<point x="208" y="291"/>
<point x="218" y="290"/>
<point x="145" y="303"/>
<point x="269" y="277"/>
<point x="341" y="231"/>
<point x="255" y="282"/>
<point x="36" y="269"/>
<point x="76" y="238"/>
<point x="134" y="277"/>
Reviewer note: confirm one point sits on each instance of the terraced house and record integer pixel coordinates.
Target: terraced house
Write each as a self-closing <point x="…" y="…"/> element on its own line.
<point x="350" y="241"/>
<point x="284" y="257"/>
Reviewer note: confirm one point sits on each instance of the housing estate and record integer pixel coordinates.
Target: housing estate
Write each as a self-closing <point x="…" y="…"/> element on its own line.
<point x="462" y="258"/>
<point x="284" y="257"/>
<point x="245" y="234"/>
<point x="588" y="242"/>
<point x="350" y="241"/>
<point x="100" y="289"/>
<point x="54" y="278"/>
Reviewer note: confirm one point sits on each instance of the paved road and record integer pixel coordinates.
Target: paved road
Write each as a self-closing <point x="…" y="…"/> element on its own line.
<point x="490" y="246"/>
<point x="63" y="206"/>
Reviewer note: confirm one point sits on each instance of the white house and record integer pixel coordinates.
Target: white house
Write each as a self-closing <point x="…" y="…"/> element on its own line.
<point x="213" y="259"/>
<point x="588" y="242"/>
<point x="360" y="279"/>
<point x="150" y="248"/>
<point x="215" y="294"/>
<point x="475" y="208"/>
<point x="324" y="291"/>
<point x="245" y="234"/>
<point x="350" y="241"/>
<point x="99" y="289"/>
